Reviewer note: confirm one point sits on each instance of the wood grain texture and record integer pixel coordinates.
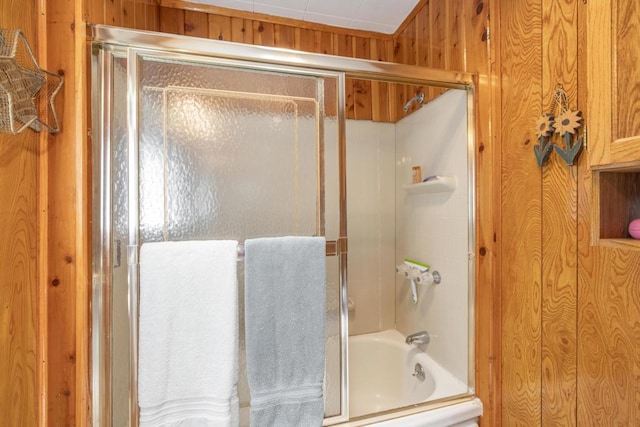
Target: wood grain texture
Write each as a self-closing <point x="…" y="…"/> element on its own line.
<point x="128" y="15"/>
<point x="599" y="71"/>
<point x="488" y="293"/>
<point x="346" y="48"/>
<point x="219" y="27"/>
<point x="608" y="325"/>
<point x="362" y="99"/>
<point x="68" y="266"/>
<point x="438" y="39"/>
<point x="559" y="216"/>
<point x="627" y="62"/>
<point x="196" y="24"/>
<point x="521" y="75"/>
<point x="111" y="16"/>
<point x="171" y="20"/>
<point x="608" y="362"/>
<point x="285" y="36"/>
<point x="18" y="285"/>
<point x="61" y="218"/>
<point x="152" y="16"/>
<point x="241" y="31"/>
<point x="454" y="47"/>
<point x="20" y="338"/>
<point x="264" y="33"/>
<point x="381" y="50"/>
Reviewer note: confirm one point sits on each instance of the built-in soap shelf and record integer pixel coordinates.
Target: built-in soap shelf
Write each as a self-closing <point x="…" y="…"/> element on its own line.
<point x="439" y="184"/>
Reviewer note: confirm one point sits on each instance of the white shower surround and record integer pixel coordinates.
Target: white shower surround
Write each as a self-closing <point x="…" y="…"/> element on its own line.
<point x="432" y="228"/>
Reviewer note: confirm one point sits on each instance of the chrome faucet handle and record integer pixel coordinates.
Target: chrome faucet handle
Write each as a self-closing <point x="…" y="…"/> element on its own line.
<point x="419" y="372"/>
<point x="421" y="337"/>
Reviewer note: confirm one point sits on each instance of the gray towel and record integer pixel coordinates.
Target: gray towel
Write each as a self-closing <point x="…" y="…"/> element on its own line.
<point x="284" y="319"/>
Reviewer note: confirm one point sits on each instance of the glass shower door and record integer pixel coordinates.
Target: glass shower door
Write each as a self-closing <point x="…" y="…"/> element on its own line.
<point x="200" y="149"/>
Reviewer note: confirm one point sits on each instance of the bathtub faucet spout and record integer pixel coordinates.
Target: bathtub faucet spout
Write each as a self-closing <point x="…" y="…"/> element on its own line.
<point x="421" y="337"/>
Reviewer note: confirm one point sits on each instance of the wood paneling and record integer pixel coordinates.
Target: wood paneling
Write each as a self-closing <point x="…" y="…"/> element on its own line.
<point x="608" y="325"/>
<point x="627" y="80"/>
<point x="521" y="79"/>
<point x="488" y="193"/>
<point x="219" y="27"/>
<point x="559" y="216"/>
<point x="196" y="24"/>
<point x="172" y="20"/>
<point x="67" y="217"/>
<point x="20" y="355"/>
<point x="589" y="304"/>
<point x="608" y="277"/>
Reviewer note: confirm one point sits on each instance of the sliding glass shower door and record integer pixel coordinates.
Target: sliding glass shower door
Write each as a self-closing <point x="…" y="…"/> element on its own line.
<point x="195" y="148"/>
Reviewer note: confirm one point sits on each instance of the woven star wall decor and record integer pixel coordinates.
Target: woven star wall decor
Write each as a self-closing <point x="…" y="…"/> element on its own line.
<point x="27" y="91"/>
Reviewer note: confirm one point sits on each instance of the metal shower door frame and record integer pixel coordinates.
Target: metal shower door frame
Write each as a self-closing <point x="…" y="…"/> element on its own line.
<point x="107" y="42"/>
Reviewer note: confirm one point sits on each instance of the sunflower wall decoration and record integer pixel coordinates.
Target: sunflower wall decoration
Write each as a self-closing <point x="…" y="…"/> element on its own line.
<point x="565" y="124"/>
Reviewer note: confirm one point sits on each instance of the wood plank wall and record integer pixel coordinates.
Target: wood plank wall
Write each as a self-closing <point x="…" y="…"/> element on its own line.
<point x="608" y="363"/>
<point x="67" y="175"/>
<point x="559" y="225"/>
<point x="521" y="81"/>
<point x="20" y="367"/>
<point x="570" y="310"/>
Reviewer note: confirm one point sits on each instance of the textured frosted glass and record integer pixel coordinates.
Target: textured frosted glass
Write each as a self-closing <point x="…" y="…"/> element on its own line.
<point x="331" y="176"/>
<point x="225" y="169"/>
<point x="120" y="351"/>
<point x="333" y="347"/>
<point x="200" y="76"/>
<point x="230" y="153"/>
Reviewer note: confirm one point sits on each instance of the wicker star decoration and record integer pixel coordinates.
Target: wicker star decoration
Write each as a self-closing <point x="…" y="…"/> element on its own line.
<point x="24" y="87"/>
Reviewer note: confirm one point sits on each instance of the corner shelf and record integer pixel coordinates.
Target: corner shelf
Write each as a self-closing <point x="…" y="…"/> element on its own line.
<point x="441" y="184"/>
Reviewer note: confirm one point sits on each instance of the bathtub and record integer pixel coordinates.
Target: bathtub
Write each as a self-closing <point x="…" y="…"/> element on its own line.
<point x="380" y="379"/>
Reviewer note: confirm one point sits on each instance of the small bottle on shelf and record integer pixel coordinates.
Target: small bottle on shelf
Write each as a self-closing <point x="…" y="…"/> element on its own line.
<point x="416" y="175"/>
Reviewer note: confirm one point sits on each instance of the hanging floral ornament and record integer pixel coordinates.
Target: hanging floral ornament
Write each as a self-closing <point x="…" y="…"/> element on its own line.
<point x="544" y="131"/>
<point x="568" y="124"/>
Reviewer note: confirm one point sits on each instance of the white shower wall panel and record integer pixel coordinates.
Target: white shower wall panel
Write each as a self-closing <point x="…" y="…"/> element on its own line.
<point x="433" y="228"/>
<point x="371" y="224"/>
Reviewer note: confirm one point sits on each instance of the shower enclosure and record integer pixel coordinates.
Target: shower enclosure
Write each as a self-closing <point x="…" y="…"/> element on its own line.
<point x="199" y="139"/>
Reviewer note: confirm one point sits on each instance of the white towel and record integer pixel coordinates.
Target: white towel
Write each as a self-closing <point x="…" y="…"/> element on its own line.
<point x="285" y="292"/>
<point x="188" y="334"/>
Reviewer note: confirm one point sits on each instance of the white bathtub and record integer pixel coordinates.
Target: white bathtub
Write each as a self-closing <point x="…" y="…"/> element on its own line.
<point x="380" y="379"/>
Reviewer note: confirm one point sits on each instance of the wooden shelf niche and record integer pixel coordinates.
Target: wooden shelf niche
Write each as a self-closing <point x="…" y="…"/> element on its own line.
<point x="618" y="203"/>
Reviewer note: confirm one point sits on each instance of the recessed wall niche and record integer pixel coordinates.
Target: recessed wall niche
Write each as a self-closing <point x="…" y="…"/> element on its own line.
<point x="618" y="196"/>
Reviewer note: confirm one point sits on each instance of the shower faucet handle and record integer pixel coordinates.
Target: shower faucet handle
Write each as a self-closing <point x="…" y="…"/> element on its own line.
<point x="421" y="337"/>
